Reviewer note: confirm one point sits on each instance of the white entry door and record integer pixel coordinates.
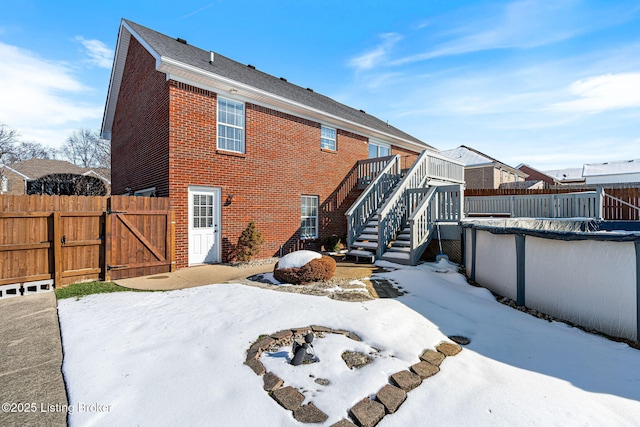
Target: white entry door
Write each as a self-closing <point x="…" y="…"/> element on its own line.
<point x="204" y="225"/>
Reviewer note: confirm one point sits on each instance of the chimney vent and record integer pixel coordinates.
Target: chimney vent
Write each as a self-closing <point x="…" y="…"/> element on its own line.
<point x="211" y="57"/>
<point x="179" y="40"/>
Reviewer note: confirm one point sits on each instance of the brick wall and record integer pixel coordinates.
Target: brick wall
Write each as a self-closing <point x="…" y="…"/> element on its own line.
<point x="282" y="162"/>
<point x="407" y="157"/>
<point x="164" y="136"/>
<point x="482" y="177"/>
<point x="534" y="175"/>
<point x="140" y="133"/>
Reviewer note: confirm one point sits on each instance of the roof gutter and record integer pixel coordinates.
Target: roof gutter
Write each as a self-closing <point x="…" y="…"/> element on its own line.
<point x="180" y="71"/>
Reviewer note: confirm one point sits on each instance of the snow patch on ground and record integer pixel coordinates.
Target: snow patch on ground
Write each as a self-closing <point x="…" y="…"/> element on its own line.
<point x="297" y="259"/>
<point x="177" y="358"/>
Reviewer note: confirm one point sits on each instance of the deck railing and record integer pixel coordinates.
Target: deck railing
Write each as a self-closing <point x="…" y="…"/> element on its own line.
<point x="586" y="204"/>
<point x="395" y="211"/>
<point x="440" y="204"/>
<point x="371" y="199"/>
<point x="369" y="169"/>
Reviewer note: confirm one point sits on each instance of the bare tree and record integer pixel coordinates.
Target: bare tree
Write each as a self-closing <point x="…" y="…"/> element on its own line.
<point x="8" y="139"/>
<point x="30" y="150"/>
<point x="86" y="149"/>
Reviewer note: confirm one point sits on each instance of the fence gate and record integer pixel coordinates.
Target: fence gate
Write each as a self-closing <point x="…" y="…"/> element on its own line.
<point x="139" y="237"/>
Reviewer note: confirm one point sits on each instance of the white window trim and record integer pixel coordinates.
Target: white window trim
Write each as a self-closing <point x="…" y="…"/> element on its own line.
<point x="379" y="144"/>
<point x="219" y="123"/>
<point x="317" y="205"/>
<point x="334" y="140"/>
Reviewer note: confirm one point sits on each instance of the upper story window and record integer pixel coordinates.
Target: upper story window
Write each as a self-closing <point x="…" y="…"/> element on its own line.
<point x="378" y="150"/>
<point x="328" y="138"/>
<point x="230" y="125"/>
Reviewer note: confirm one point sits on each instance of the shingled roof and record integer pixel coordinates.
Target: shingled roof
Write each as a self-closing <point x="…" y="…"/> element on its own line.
<point x="175" y="54"/>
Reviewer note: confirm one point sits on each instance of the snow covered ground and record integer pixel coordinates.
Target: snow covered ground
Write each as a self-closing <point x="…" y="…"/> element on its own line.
<point x="176" y="358"/>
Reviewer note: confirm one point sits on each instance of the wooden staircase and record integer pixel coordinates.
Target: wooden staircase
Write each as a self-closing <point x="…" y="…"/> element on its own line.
<point x="394" y="218"/>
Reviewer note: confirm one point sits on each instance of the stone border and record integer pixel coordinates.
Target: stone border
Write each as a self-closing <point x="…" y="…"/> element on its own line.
<point x="366" y="413"/>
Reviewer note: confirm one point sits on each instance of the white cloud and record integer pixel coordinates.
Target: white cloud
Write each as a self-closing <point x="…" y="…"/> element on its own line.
<point x="372" y="58"/>
<point x="604" y="92"/>
<point x="520" y="24"/>
<point x="99" y="54"/>
<point x="41" y="98"/>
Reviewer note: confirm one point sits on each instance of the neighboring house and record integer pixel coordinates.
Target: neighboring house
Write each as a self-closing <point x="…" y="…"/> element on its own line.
<point x="14" y="177"/>
<point x="625" y="171"/>
<point x="482" y="171"/>
<point x="230" y="144"/>
<point x="568" y="176"/>
<point x="536" y="175"/>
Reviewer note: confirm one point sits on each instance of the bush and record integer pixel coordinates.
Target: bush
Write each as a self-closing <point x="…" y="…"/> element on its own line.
<point x="249" y="243"/>
<point x="332" y="244"/>
<point x="316" y="270"/>
<point x="67" y="184"/>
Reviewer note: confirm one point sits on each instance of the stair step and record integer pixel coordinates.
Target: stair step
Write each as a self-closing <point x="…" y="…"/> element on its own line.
<point x="365" y="245"/>
<point x="368" y="237"/>
<point x="372" y="223"/>
<point x="370" y="230"/>
<point x="401" y="243"/>
<point x="395" y="255"/>
<point x="405" y="250"/>
<point x="403" y="237"/>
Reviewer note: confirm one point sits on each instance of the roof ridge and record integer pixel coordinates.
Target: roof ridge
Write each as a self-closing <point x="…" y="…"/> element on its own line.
<point x="269" y="83"/>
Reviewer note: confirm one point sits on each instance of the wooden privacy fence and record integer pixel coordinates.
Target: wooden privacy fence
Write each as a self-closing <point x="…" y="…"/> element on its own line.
<point x="73" y="238"/>
<point x="619" y="203"/>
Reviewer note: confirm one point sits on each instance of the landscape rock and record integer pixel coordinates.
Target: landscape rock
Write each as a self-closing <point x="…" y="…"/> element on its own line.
<point x="448" y="349"/>
<point x="322" y="381"/>
<point x="343" y="423"/>
<point x="263" y="343"/>
<point x="309" y="414"/>
<point x="355" y="359"/>
<point x="288" y="397"/>
<point x="406" y="380"/>
<point x="425" y="369"/>
<point x="282" y="335"/>
<point x="256" y="366"/>
<point x="354" y="336"/>
<point x="271" y="382"/>
<point x="433" y="357"/>
<point x="459" y="339"/>
<point x="317" y="328"/>
<point x="367" y="412"/>
<point x="391" y="397"/>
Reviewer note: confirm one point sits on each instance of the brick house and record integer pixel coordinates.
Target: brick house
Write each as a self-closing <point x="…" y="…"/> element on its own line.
<point x="482" y="171"/>
<point x="229" y="144"/>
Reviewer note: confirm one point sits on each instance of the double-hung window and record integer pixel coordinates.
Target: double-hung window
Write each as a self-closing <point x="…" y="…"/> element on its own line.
<point x="309" y="217"/>
<point x="230" y="125"/>
<point x="327" y="138"/>
<point x="378" y="150"/>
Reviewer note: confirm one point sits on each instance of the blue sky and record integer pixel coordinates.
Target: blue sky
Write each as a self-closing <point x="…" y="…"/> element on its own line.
<point x="552" y="84"/>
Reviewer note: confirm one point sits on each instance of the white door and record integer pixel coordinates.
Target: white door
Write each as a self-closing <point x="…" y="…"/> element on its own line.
<point x="204" y="225"/>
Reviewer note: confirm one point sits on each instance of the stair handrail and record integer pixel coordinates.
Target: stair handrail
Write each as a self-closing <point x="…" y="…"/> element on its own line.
<point x="371" y="198"/>
<point x="421" y="224"/>
<point x="441" y="204"/>
<point x="393" y="212"/>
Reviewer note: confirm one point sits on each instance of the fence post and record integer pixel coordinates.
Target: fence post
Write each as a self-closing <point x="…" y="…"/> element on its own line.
<point x="172" y="246"/>
<point x="57" y="249"/>
<point x="108" y="235"/>
<point x="600" y="203"/>
<point x="520" y="273"/>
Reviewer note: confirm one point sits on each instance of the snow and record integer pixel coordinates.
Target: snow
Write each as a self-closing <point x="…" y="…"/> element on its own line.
<point x="176" y="358"/>
<point x="297" y="259"/>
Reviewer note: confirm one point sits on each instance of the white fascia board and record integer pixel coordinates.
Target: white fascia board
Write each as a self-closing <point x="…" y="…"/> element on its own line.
<point x="97" y="175"/>
<point x="15" y="171"/>
<point x="176" y="70"/>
